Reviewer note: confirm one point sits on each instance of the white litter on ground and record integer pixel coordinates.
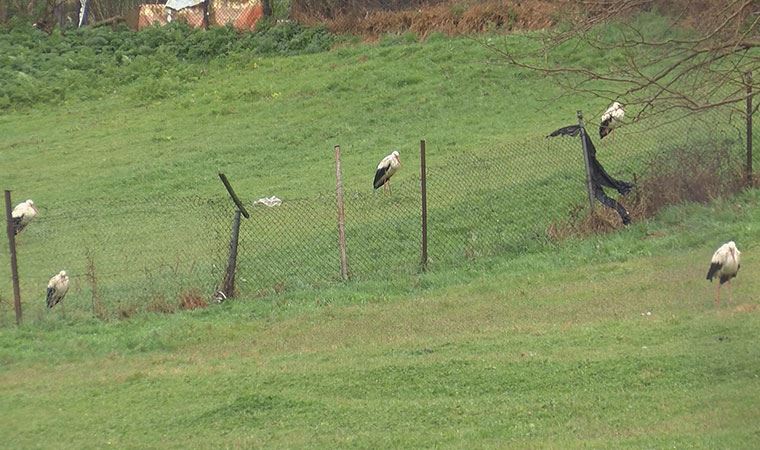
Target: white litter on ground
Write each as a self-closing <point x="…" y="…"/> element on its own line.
<point x="268" y="201"/>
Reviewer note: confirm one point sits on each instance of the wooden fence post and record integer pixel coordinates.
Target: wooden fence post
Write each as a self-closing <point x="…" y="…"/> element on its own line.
<point x="750" y="178"/>
<point x="344" y="274"/>
<point x="228" y="287"/>
<point x="423" y="190"/>
<point x="14" y="263"/>
<point x="587" y="162"/>
<point x="234" y="196"/>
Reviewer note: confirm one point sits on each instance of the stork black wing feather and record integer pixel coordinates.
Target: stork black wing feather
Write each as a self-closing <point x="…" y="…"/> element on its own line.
<point x="378" y="176"/>
<point x="604" y="128"/>
<point x="714" y="268"/>
<point x="570" y="130"/>
<point x="50" y="293"/>
<point x="17" y="227"/>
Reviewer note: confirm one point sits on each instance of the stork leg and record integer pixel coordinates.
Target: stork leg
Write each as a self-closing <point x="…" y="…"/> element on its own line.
<point x="717" y="295"/>
<point x="389" y="188"/>
<point x="730" y="293"/>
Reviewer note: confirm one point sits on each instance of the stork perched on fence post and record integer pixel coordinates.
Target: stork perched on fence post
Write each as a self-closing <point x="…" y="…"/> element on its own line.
<point x="22" y="214"/>
<point x="611" y="118"/>
<point x="385" y="170"/>
<point x="725" y="265"/>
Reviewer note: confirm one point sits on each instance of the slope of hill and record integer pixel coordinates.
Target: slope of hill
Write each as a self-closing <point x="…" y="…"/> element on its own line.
<point x="609" y="341"/>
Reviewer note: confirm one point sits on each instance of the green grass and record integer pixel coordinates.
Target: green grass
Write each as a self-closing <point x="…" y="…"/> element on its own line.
<point x="553" y="349"/>
<point x="270" y="124"/>
<point x="509" y="340"/>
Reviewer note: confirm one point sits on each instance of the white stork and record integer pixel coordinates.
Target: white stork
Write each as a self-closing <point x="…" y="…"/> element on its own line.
<point x="611" y="118"/>
<point x="22" y="214"/>
<point x="725" y="265"/>
<point x="385" y="170"/>
<point x="57" y="288"/>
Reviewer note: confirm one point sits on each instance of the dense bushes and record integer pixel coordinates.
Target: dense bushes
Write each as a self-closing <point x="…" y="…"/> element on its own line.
<point x="37" y="68"/>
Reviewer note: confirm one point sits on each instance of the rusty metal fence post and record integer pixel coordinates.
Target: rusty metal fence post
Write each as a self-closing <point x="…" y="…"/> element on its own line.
<point x="750" y="177"/>
<point x="423" y="191"/>
<point x="11" y="229"/>
<point x="344" y="273"/>
<point x="206" y="13"/>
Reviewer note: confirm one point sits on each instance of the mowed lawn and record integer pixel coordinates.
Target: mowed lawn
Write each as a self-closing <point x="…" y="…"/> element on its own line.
<point x="606" y="342"/>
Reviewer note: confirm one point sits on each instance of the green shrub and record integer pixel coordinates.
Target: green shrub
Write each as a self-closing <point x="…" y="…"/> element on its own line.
<point x="84" y="63"/>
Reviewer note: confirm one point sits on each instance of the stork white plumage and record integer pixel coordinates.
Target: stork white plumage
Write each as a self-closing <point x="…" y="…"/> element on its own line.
<point x="725" y="264"/>
<point x="385" y="170"/>
<point x="57" y="288"/>
<point x="22" y="214"/>
<point x="611" y="119"/>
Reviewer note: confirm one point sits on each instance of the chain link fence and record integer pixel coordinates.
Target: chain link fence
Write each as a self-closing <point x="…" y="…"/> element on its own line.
<point x="137" y="14"/>
<point x="519" y="197"/>
<point x="157" y="254"/>
<point x="511" y="199"/>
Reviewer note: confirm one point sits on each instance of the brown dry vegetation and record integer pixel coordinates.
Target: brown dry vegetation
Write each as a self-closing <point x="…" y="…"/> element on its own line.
<point x="192" y="299"/>
<point x="696" y="174"/>
<point x="423" y="18"/>
<point x="373" y="18"/>
<point x="160" y="304"/>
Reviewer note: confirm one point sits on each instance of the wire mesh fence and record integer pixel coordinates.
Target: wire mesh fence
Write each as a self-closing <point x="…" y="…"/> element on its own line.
<point x="511" y="199"/>
<point x="149" y="255"/>
<point x="138" y="14"/>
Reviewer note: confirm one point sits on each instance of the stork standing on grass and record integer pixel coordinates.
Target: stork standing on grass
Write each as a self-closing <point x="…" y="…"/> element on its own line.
<point x="385" y="170"/>
<point x="22" y="214"/>
<point x="57" y="288"/>
<point x="611" y="119"/>
<point x="725" y="265"/>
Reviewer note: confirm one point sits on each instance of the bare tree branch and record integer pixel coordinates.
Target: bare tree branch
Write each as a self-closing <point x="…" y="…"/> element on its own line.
<point x="696" y="63"/>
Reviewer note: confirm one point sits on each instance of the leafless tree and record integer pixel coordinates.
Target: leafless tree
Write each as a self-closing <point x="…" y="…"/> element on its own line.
<point x="704" y="60"/>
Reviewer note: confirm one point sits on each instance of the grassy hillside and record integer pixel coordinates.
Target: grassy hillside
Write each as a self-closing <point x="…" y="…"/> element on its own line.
<point x="610" y="341"/>
<point x="125" y="174"/>
<point x="270" y="123"/>
<point x="510" y="340"/>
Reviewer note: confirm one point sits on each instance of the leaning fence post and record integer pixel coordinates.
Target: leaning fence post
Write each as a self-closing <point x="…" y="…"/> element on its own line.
<point x="228" y="287"/>
<point x="423" y="190"/>
<point x="14" y="263"/>
<point x="750" y="178"/>
<point x="344" y="274"/>
<point x="587" y="162"/>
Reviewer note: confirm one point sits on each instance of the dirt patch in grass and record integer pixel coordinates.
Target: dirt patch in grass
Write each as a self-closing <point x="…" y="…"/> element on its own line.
<point x="747" y="308"/>
<point x="160" y="304"/>
<point x="192" y="299"/>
